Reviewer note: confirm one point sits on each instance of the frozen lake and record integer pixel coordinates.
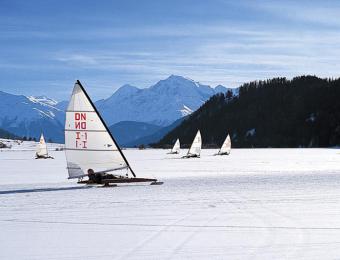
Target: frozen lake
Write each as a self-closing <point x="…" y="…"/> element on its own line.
<point x="253" y="204"/>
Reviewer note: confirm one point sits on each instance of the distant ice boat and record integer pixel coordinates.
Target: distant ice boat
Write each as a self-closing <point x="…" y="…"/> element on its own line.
<point x="226" y="147"/>
<point x="176" y="149"/>
<point x="195" y="149"/>
<point x="91" y="151"/>
<point x="41" y="151"/>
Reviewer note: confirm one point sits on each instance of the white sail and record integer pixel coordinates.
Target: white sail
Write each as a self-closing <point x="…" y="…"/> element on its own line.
<point x="88" y="144"/>
<point x="177" y="147"/>
<point x="196" y="145"/>
<point x="226" y="146"/>
<point x="41" y="150"/>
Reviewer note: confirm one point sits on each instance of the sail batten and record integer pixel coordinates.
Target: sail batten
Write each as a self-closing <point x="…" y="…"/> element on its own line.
<point x="115" y="169"/>
<point x="85" y="131"/>
<point x="80" y="130"/>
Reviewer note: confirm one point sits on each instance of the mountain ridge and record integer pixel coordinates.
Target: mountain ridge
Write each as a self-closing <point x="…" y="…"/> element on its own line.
<point x="161" y="104"/>
<point x="282" y="113"/>
<point x="30" y="115"/>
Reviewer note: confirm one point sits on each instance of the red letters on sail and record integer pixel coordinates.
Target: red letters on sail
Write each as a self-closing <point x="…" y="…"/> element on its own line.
<point x="80" y="123"/>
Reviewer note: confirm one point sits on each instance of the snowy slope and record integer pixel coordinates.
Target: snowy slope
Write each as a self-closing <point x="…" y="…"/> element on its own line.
<point x="253" y="204"/>
<point x="160" y="104"/>
<point x="28" y="116"/>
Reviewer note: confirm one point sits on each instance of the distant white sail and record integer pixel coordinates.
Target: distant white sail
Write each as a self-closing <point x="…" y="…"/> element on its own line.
<point x="88" y="144"/>
<point x="177" y="147"/>
<point x="226" y="146"/>
<point x="195" y="149"/>
<point x="41" y="147"/>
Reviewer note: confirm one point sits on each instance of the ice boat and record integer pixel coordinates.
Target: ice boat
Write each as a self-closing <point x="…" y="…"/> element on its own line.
<point x="226" y="147"/>
<point x="176" y="149"/>
<point x="195" y="149"/>
<point x="92" y="154"/>
<point x="41" y="151"/>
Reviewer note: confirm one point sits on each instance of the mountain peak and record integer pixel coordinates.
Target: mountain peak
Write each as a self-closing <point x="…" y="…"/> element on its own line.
<point x="125" y="90"/>
<point x="163" y="103"/>
<point x="221" y="89"/>
<point x="175" y="83"/>
<point x="175" y="77"/>
<point x="128" y="87"/>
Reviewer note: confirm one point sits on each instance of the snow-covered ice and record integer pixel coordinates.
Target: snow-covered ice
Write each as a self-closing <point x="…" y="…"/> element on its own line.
<point x="253" y="204"/>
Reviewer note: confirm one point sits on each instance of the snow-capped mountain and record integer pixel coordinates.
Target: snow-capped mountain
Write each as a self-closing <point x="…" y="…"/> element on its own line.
<point x="160" y="104"/>
<point x="29" y="116"/>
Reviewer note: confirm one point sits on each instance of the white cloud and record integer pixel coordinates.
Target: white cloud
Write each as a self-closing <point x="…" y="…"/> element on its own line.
<point x="216" y="52"/>
<point x="250" y="54"/>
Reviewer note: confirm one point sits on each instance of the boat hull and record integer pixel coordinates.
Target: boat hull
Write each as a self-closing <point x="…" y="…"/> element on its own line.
<point x="222" y="154"/>
<point x="120" y="180"/>
<point x="43" y="157"/>
<point x="191" y="156"/>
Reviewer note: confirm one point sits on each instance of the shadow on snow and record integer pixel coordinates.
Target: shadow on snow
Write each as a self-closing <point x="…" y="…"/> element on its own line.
<point x="42" y="190"/>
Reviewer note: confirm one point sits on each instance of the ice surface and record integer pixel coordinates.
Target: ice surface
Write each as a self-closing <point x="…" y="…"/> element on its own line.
<point x="253" y="204"/>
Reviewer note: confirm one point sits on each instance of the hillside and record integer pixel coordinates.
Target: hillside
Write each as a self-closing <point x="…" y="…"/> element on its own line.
<point x="29" y="116"/>
<point x="129" y="131"/>
<point x="302" y="112"/>
<point x="153" y="137"/>
<point x="7" y="135"/>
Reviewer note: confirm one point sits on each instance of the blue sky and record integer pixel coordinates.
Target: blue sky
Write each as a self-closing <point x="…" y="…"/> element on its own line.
<point x="46" y="45"/>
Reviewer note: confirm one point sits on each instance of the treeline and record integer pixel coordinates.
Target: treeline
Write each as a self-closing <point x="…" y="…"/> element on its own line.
<point x="302" y="112"/>
<point x="7" y="135"/>
<point x="25" y="138"/>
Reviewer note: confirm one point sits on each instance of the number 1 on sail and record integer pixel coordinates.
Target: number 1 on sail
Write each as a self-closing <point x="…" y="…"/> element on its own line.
<point x="80" y="124"/>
